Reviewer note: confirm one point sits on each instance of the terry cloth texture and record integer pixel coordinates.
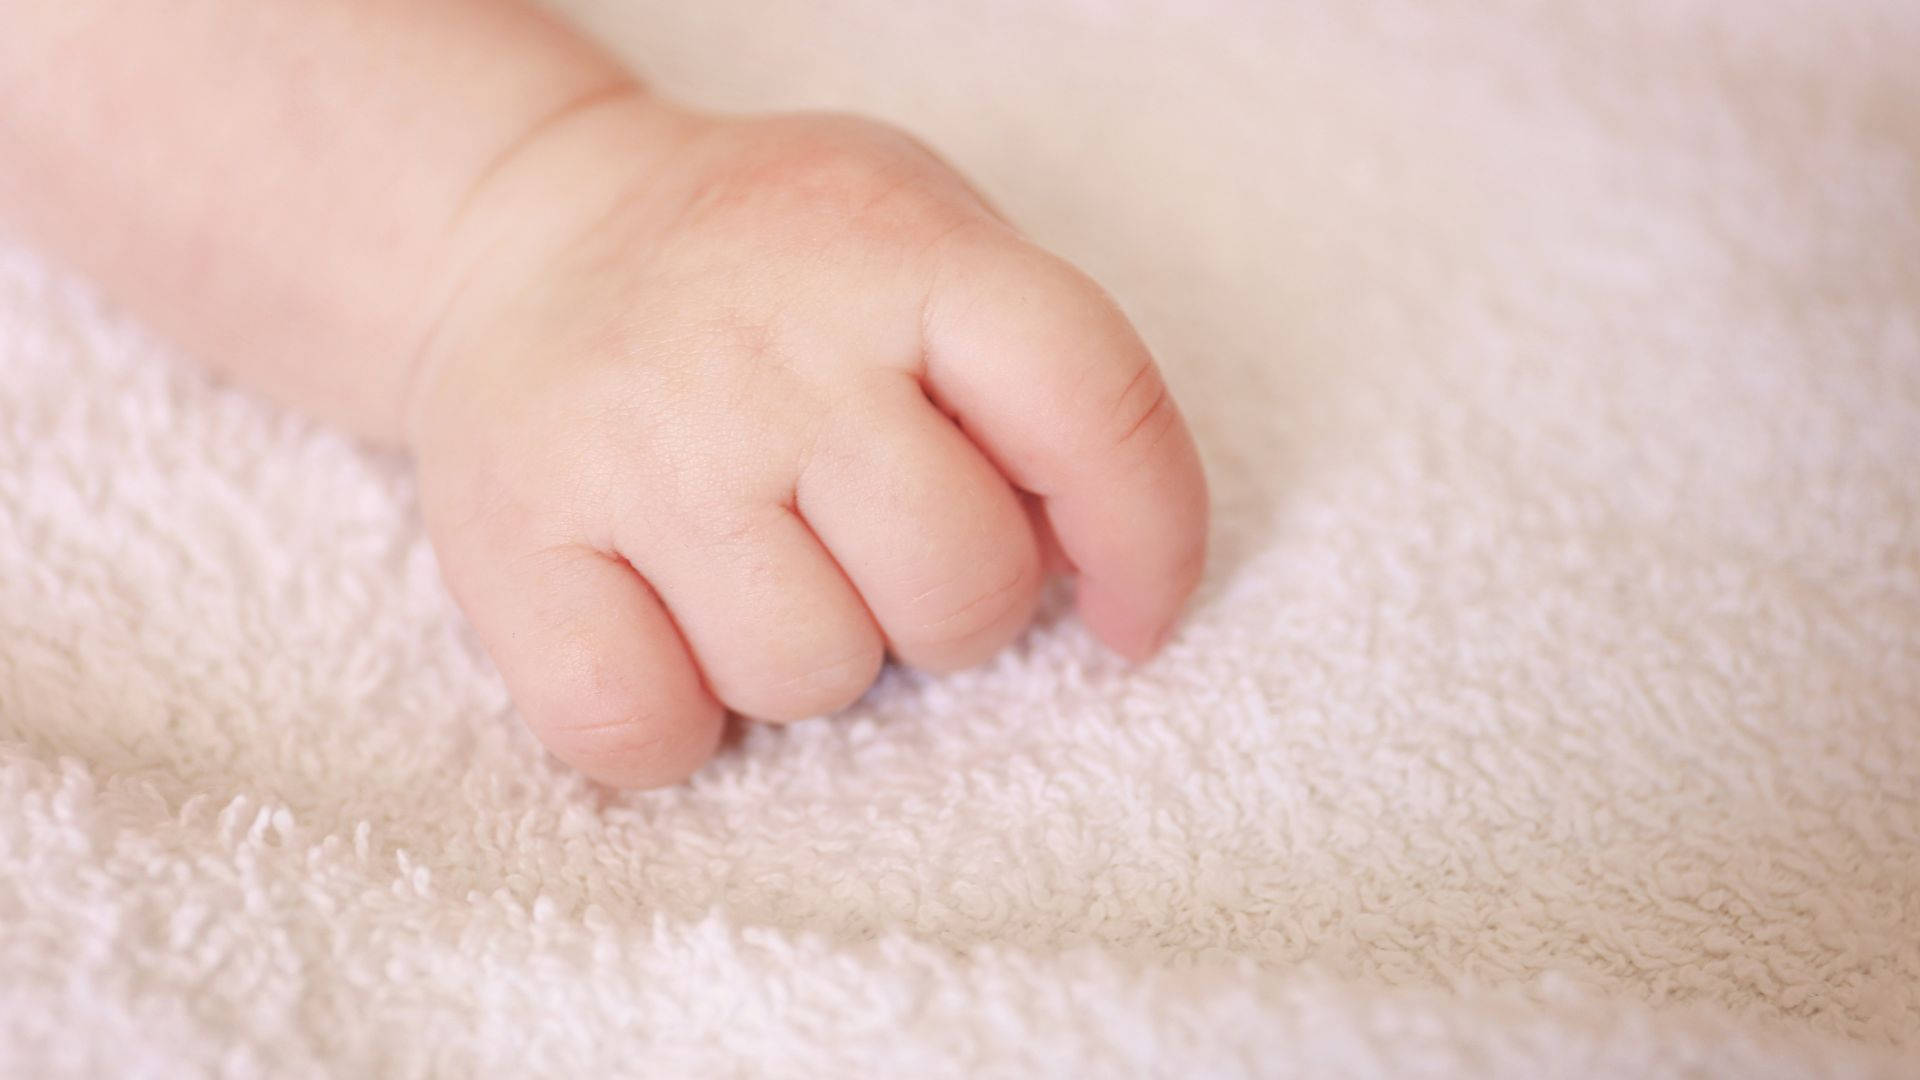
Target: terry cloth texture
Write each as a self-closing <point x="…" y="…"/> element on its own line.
<point x="1551" y="708"/>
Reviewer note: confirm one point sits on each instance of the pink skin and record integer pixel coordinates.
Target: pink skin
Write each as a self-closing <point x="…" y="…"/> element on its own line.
<point x="709" y="413"/>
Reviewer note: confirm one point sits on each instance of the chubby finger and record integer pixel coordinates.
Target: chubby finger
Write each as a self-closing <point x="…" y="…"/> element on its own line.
<point x="775" y="626"/>
<point x="593" y="661"/>
<point x="927" y="529"/>
<point x="1052" y="382"/>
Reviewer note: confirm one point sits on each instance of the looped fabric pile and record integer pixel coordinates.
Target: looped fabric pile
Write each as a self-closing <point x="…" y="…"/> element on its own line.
<point x="1551" y="707"/>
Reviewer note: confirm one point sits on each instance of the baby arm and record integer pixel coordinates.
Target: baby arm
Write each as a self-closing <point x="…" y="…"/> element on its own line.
<point x="709" y="412"/>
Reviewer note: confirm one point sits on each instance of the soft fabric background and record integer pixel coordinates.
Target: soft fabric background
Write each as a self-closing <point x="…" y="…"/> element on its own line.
<point x="1552" y="706"/>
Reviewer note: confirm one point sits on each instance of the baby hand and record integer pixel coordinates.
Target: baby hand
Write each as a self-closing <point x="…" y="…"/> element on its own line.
<point x="723" y="411"/>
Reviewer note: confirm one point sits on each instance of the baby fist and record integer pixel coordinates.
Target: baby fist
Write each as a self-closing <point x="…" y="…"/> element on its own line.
<point x="784" y="399"/>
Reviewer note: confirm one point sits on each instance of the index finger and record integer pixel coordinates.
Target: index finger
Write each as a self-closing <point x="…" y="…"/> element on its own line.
<point x="1046" y="375"/>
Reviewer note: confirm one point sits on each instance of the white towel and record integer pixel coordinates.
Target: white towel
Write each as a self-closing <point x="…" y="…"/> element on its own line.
<point x="1552" y="707"/>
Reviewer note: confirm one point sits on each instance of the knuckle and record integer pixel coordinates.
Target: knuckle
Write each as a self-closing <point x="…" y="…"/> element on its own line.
<point x="1115" y="384"/>
<point x="1142" y="413"/>
<point x="594" y="716"/>
<point x="630" y="742"/>
<point x="739" y="529"/>
<point x="809" y="687"/>
<point x="962" y="627"/>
